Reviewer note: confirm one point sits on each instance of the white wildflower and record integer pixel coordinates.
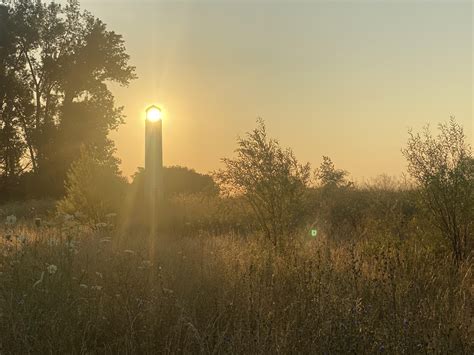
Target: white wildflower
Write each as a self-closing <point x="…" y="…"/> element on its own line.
<point x="128" y="251"/>
<point x="146" y="263"/>
<point x="79" y="215"/>
<point x="101" y="225"/>
<point x="99" y="274"/>
<point x="84" y="286"/>
<point x="11" y="220"/>
<point x="52" y="269"/>
<point x="105" y="240"/>
<point x="68" y="217"/>
<point x="22" y="239"/>
<point x="71" y="245"/>
<point x="52" y="242"/>
<point x="96" y="288"/>
<point x="168" y="291"/>
<point x="111" y="215"/>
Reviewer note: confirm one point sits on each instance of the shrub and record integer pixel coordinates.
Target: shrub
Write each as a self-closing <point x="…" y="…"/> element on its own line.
<point x="270" y="179"/>
<point x="93" y="188"/>
<point x="443" y="166"/>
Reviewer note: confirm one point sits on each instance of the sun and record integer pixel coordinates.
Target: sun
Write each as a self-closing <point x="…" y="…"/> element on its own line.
<point x="153" y="113"/>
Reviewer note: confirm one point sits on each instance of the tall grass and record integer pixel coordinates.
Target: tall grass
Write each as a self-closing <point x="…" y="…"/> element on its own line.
<point x="124" y="293"/>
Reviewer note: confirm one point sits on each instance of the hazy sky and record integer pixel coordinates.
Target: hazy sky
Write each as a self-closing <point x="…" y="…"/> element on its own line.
<point x="344" y="79"/>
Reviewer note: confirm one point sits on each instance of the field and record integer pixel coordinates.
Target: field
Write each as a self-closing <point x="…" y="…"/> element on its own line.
<point x="68" y="287"/>
<point x="130" y="223"/>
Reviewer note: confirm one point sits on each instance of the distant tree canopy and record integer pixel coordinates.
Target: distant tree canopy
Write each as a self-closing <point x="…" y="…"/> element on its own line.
<point x="55" y="63"/>
<point x="329" y="176"/>
<point x="180" y="180"/>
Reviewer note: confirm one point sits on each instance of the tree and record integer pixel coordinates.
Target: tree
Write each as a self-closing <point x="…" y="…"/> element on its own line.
<point x="329" y="176"/>
<point x="270" y="179"/>
<point x="180" y="180"/>
<point x="62" y="59"/>
<point x="443" y="167"/>
<point x="13" y="99"/>
<point x="337" y="207"/>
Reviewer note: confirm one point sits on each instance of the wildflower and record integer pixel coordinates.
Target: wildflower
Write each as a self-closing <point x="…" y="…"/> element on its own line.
<point x="22" y="239"/>
<point x="79" y="215"/>
<point x="52" y="242"/>
<point x="71" y="245"/>
<point x="111" y="215"/>
<point x="168" y="291"/>
<point x="84" y="286"/>
<point x="68" y="217"/>
<point x="11" y="220"/>
<point x="105" y="240"/>
<point x="101" y="225"/>
<point x="52" y="269"/>
<point x="96" y="288"/>
<point x="39" y="281"/>
<point x="99" y="274"/>
<point x="128" y="251"/>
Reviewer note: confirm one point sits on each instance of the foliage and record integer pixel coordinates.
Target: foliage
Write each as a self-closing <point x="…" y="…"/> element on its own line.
<point x="93" y="188"/>
<point x="56" y="61"/>
<point x="179" y="180"/>
<point x="379" y="208"/>
<point x="193" y="213"/>
<point x="443" y="166"/>
<point x="329" y="176"/>
<point x="66" y="289"/>
<point x="270" y="179"/>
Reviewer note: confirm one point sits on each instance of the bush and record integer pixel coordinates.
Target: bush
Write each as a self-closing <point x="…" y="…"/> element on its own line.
<point x="93" y="188"/>
<point x="443" y="166"/>
<point x="270" y="179"/>
<point x="373" y="209"/>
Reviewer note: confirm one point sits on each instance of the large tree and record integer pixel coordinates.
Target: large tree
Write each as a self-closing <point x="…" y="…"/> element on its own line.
<point x="15" y="103"/>
<point x="59" y="61"/>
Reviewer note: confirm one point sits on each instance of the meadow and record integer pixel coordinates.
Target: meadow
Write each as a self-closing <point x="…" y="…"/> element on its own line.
<point x="67" y="286"/>
<point x="264" y="254"/>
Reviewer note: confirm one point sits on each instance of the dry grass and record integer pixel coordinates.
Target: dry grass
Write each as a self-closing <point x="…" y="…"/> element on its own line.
<point x="120" y="293"/>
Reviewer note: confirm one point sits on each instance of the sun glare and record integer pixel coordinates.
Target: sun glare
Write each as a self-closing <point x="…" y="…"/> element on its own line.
<point x="153" y="113"/>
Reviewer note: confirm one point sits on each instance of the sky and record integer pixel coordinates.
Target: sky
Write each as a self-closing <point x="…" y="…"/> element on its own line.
<point x="342" y="79"/>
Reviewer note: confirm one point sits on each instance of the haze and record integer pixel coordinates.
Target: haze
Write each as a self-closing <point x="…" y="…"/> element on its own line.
<point x="330" y="78"/>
